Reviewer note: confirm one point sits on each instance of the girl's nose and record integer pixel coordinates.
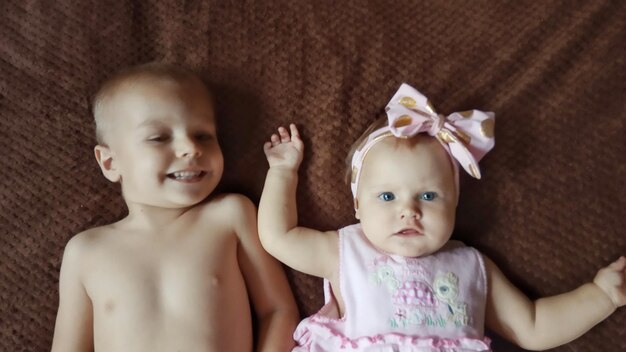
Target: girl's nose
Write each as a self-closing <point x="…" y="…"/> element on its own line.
<point x="410" y="212"/>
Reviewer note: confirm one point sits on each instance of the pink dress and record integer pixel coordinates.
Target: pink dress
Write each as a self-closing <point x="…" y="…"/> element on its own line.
<point x="401" y="304"/>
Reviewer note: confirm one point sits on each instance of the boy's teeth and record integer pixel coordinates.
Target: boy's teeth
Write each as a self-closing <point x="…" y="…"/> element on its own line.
<point x="186" y="174"/>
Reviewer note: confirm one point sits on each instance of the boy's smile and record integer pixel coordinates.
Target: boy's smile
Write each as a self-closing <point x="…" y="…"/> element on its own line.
<point x="163" y="143"/>
<point x="187" y="176"/>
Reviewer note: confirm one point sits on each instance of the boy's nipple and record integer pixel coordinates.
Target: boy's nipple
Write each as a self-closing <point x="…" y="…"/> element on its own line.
<point x="109" y="306"/>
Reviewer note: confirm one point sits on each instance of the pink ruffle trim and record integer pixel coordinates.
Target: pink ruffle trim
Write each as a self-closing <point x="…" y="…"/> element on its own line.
<point x="313" y="336"/>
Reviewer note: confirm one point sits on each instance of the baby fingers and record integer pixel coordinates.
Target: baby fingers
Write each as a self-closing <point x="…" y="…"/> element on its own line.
<point x="612" y="280"/>
<point x="284" y="135"/>
<point x="294" y="131"/>
<point x="275" y="139"/>
<point x="619" y="264"/>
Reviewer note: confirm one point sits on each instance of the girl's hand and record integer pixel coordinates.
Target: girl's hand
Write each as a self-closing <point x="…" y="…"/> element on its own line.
<point x="284" y="151"/>
<point x="612" y="280"/>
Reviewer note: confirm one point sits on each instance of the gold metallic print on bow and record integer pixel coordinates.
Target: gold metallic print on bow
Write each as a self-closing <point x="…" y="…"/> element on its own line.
<point x="408" y="102"/>
<point x="487" y="128"/>
<point x="467" y="136"/>
<point x="466" y="114"/>
<point x="446" y="136"/>
<point x="463" y="136"/>
<point x="457" y="136"/>
<point x="402" y="121"/>
<point x="430" y="107"/>
<point x="474" y="171"/>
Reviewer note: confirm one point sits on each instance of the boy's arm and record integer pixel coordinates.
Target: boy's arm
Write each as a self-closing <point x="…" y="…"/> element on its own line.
<point x="550" y="321"/>
<point x="306" y="250"/>
<point x="267" y="284"/>
<point x="73" y="331"/>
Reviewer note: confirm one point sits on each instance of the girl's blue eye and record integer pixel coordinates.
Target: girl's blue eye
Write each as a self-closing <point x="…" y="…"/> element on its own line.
<point x="386" y="196"/>
<point x="428" y="196"/>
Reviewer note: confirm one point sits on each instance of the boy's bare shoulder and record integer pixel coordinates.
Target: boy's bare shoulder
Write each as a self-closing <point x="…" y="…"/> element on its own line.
<point x="233" y="211"/>
<point x="88" y="239"/>
<point x="230" y="204"/>
<point x="83" y="243"/>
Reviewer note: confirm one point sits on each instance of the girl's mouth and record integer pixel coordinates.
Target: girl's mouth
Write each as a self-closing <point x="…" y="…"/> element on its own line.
<point x="409" y="232"/>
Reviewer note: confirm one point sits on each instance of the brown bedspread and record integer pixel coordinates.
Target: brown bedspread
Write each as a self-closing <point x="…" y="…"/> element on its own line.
<point x="549" y="210"/>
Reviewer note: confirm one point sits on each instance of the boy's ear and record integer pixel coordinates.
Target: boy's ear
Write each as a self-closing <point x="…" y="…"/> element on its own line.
<point x="106" y="160"/>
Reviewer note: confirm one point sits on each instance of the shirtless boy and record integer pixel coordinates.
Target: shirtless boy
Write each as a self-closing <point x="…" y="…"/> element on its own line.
<point x="179" y="272"/>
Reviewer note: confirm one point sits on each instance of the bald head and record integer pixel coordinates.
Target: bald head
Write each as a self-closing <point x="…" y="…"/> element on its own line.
<point x="147" y="74"/>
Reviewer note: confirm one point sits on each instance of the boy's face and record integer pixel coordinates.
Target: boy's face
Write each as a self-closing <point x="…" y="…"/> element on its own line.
<point x="163" y="144"/>
<point x="406" y="197"/>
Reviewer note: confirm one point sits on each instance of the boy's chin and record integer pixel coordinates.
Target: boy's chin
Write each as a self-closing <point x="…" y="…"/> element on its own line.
<point x="185" y="202"/>
<point x="179" y="202"/>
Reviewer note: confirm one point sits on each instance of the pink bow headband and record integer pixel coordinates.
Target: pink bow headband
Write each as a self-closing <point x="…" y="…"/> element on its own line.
<point x="467" y="136"/>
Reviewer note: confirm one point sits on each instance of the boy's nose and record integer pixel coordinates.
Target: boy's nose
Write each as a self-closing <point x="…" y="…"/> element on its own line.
<point x="188" y="149"/>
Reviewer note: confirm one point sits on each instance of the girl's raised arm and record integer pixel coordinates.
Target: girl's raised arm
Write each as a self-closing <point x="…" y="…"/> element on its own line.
<point x="306" y="250"/>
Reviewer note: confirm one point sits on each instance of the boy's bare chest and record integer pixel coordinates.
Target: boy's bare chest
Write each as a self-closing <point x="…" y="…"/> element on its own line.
<point x="163" y="276"/>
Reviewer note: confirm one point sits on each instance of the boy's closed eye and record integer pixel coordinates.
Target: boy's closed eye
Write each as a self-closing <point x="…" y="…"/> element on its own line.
<point x="158" y="138"/>
<point x="204" y="137"/>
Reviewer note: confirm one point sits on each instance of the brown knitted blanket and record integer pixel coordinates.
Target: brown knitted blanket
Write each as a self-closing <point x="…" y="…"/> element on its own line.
<point x="549" y="209"/>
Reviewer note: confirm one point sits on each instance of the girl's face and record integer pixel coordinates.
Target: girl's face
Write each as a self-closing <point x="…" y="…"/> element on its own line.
<point x="407" y="199"/>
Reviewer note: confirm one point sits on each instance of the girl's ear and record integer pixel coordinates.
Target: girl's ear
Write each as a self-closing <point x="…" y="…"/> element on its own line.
<point x="356" y="209"/>
<point x="106" y="160"/>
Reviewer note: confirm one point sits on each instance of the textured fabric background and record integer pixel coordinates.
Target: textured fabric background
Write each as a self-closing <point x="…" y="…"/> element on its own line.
<point x="549" y="210"/>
